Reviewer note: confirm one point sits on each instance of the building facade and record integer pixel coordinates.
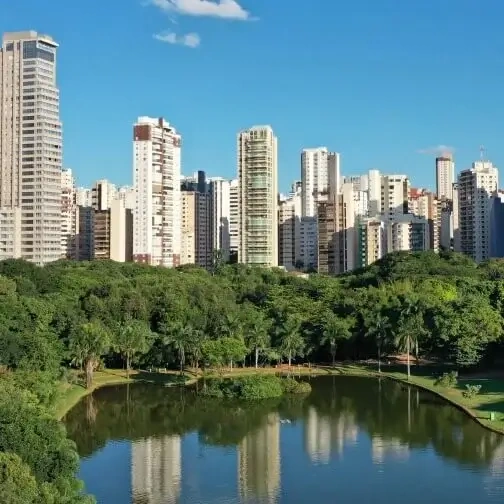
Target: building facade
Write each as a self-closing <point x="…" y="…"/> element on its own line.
<point x="258" y="197"/>
<point x="224" y="215"/>
<point x="156" y="175"/>
<point x="69" y="216"/>
<point x="445" y="176"/>
<point x="31" y="143"/>
<point x="474" y="192"/>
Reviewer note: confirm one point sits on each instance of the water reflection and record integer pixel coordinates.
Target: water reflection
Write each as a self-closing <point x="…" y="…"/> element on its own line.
<point x="259" y="462"/>
<point x="156" y="470"/>
<point x="185" y="449"/>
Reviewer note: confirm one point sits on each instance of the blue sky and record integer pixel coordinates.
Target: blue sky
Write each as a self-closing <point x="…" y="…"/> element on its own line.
<point x="376" y="80"/>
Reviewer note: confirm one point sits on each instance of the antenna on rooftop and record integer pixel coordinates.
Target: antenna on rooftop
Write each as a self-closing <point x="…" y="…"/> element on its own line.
<point x="482" y="152"/>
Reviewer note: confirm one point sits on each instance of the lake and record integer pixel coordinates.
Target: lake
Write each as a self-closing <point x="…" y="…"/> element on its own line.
<point x="352" y="440"/>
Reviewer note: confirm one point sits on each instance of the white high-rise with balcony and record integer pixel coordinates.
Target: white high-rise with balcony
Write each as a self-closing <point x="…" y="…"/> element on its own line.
<point x="156" y="174"/>
<point x="319" y="170"/>
<point x="474" y="191"/>
<point x="258" y="196"/>
<point x="30" y="147"/>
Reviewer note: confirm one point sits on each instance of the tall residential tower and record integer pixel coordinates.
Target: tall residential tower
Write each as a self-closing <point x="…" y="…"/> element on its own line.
<point x="156" y="174"/>
<point x="30" y="148"/>
<point x="258" y="197"/>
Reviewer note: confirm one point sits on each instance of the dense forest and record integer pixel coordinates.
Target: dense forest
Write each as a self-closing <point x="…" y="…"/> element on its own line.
<point x="85" y="315"/>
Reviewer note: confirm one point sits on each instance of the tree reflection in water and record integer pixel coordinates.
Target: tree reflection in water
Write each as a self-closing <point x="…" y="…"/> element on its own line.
<point x="396" y="418"/>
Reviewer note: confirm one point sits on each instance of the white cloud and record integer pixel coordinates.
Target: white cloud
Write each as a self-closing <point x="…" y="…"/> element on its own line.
<point x="189" y="39"/>
<point x="225" y="9"/>
<point x="438" y="149"/>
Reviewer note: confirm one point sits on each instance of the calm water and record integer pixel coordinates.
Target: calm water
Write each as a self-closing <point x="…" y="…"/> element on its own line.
<point x="352" y="440"/>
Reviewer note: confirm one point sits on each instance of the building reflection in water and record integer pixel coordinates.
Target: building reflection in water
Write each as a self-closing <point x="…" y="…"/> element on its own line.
<point x="156" y="470"/>
<point x="259" y="462"/>
<point x="323" y="433"/>
<point x="394" y="448"/>
<point x="494" y="481"/>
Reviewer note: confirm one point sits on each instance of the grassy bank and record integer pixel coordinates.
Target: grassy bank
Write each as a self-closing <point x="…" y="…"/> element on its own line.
<point x="479" y="407"/>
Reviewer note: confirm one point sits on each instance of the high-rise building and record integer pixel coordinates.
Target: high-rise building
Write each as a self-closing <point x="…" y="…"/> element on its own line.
<point x="374" y="193"/>
<point x="127" y="194"/>
<point x="156" y="175"/>
<point x="196" y="238"/>
<point x="30" y="146"/>
<point x="258" y="196"/>
<point x="319" y="170"/>
<point x="407" y="233"/>
<point x="445" y="176"/>
<point x="475" y="189"/>
<point x="394" y="195"/>
<point x="102" y="194"/>
<point x="423" y="203"/>
<point x="372" y="241"/>
<point x="289" y="230"/>
<point x="497" y="225"/>
<point x="224" y="215"/>
<point x="69" y="216"/>
<point x="83" y="197"/>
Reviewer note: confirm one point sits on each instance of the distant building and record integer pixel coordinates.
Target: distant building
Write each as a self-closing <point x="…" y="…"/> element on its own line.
<point x="497" y="225"/>
<point x="30" y="148"/>
<point x="156" y="175"/>
<point x="258" y="197"/>
<point x="475" y="188"/>
<point x="445" y="177"/>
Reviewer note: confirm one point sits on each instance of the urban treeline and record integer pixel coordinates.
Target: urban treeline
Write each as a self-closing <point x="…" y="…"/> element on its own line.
<point x="83" y="315"/>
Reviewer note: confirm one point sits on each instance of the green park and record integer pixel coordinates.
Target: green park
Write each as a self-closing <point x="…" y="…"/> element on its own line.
<point x="434" y="321"/>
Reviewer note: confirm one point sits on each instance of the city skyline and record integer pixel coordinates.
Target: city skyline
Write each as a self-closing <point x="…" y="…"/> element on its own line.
<point x="391" y="109"/>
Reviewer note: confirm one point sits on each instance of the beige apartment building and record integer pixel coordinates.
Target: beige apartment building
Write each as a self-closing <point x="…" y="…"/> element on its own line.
<point x="258" y="197"/>
<point x="30" y="148"/>
<point x="196" y="229"/>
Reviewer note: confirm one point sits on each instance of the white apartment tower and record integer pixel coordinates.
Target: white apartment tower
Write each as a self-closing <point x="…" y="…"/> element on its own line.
<point x="258" y="197"/>
<point x="30" y="147"/>
<point x="156" y="176"/>
<point x="475" y="188"/>
<point x="394" y="195"/>
<point x="445" y="177"/>
<point x="319" y="170"/>
<point x="374" y="193"/>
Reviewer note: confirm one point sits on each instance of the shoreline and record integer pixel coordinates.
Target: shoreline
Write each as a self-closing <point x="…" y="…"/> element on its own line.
<point x="75" y="393"/>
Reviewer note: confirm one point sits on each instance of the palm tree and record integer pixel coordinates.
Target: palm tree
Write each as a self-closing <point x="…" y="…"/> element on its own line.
<point x="410" y="325"/>
<point x="378" y="326"/>
<point x="258" y="336"/>
<point x="292" y="343"/>
<point x="336" y="328"/>
<point x="179" y="336"/>
<point x="133" y="337"/>
<point x="87" y="345"/>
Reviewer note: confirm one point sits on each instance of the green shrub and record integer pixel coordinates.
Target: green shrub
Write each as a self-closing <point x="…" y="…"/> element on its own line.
<point x="448" y="380"/>
<point x="248" y="388"/>
<point x="292" y="386"/>
<point x="260" y="387"/>
<point x="471" y="391"/>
